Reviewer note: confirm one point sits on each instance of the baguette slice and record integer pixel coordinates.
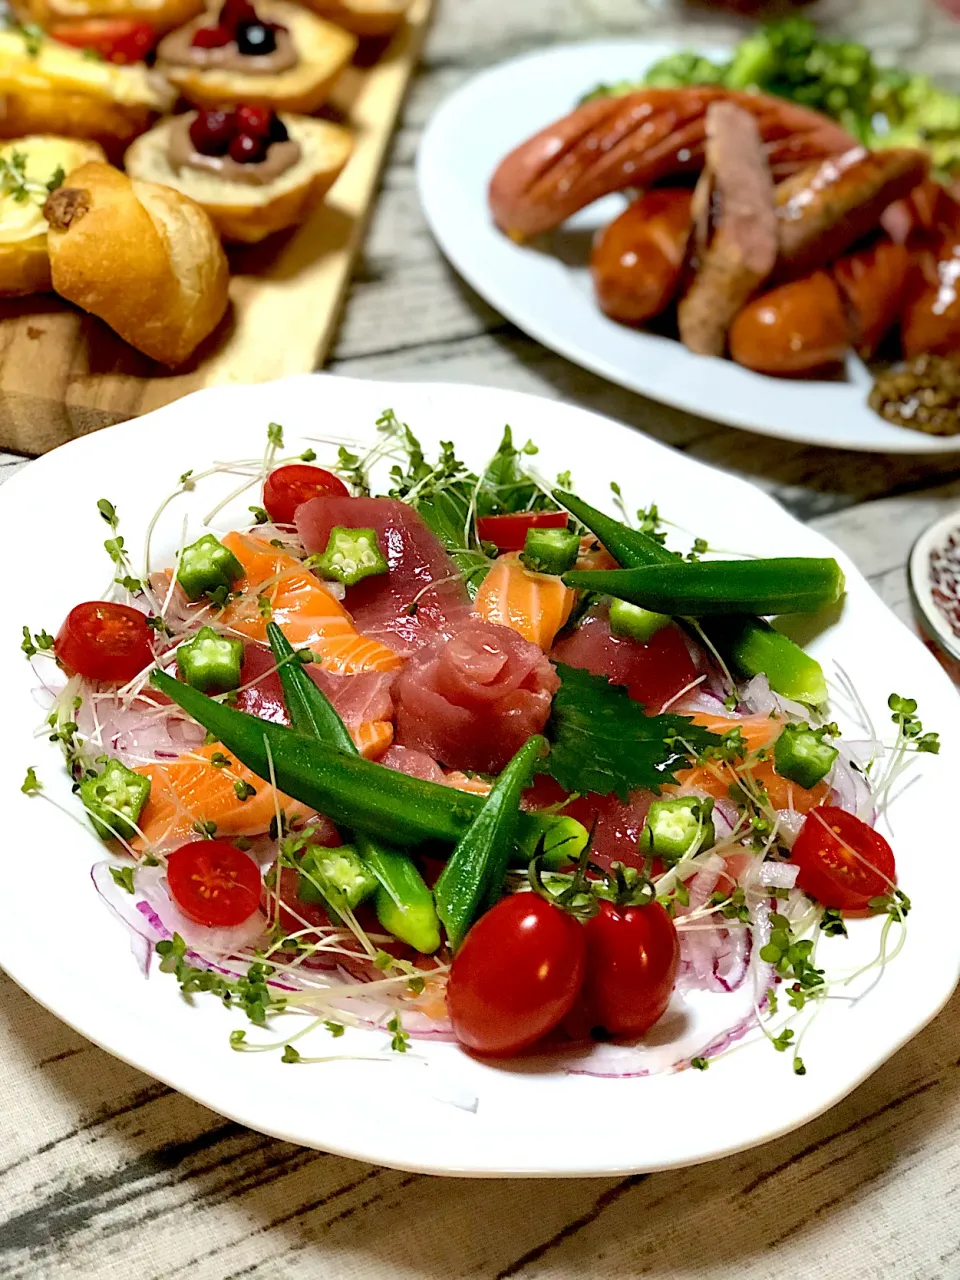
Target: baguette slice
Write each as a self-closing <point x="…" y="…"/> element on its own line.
<point x="368" y="18"/>
<point x="323" y="49"/>
<point x="24" y="261"/>
<point x="242" y="213"/>
<point x="161" y="14"/>
<point x="49" y="88"/>
<point x="142" y="257"/>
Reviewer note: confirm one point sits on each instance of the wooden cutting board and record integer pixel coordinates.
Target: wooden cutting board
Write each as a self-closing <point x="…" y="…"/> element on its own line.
<point x="64" y="373"/>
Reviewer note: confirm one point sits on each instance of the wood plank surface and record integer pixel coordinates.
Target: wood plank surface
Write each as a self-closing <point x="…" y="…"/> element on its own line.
<point x="64" y="373"/>
<point x="104" y="1173"/>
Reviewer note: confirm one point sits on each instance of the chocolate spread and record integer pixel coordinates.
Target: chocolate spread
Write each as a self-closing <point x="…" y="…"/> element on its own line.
<point x="182" y="154"/>
<point x="177" y="49"/>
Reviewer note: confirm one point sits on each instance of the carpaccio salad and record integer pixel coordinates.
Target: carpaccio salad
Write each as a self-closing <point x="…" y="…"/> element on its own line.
<point x="471" y="760"/>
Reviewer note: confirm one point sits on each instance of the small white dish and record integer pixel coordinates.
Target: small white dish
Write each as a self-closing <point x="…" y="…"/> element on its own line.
<point x="435" y="1109"/>
<point x="546" y="288"/>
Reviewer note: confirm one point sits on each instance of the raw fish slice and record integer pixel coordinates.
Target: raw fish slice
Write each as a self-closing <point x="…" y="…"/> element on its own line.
<point x="422" y="596"/>
<point x="472" y="702"/>
<point x="301" y="606"/>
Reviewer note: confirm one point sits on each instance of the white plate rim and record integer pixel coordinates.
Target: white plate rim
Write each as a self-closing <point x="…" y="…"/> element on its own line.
<point x="441" y="1150"/>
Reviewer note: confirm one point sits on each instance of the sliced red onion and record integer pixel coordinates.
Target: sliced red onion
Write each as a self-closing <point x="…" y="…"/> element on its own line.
<point x="778" y="875"/>
<point x="151" y="886"/>
<point x="759" y="698"/>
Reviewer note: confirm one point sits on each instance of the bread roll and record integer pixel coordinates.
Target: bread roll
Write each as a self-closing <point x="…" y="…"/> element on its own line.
<point x="29" y="167"/>
<point x="162" y="14"/>
<point x="46" y="87"/>
<point x="323" y="51"/>
<point x="249" y="213"/>
<point x="142" y="257"/>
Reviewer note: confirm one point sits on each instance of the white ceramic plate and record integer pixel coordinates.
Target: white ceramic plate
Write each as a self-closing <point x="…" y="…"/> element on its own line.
<point x="435" y="1110"/>
<point x="546" y="289"/>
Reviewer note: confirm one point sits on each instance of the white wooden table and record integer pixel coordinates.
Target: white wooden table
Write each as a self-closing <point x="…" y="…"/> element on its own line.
<point x="106" y="1173"/>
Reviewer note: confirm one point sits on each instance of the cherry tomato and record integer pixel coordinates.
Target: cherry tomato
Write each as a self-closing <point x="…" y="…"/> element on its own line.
<point x="633" y="954"/>
<point x="287" y="487"/>
<point x="843" y="862"/>
<point x="104" y="641"/>
<point x="509" y="532"/>
<point x="114" y="39"/>
<point x="516" y="975"/>
<point x="214" y="883"/>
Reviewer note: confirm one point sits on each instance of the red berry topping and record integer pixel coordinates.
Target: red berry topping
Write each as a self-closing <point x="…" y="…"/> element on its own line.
<point x="233" y="12"/>
<point x="246" y="149"/>
<point x="211" y="132"/>
<point x="254" y="120"/>
<point x="211" y="37"/>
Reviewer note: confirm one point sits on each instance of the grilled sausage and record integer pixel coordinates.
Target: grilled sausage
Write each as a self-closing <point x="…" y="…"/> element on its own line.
<point x="635" y="140"/>
<point x="637" y="260"/>
<point x="930" y="321"/>
<point x="872" y="282"/>
<point x="830" y="206"/>
<point x="736" y="229"/>
<point x="797" y="328"/>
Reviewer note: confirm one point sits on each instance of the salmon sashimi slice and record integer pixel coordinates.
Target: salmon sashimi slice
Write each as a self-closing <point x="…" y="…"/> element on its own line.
<point x="372" y="737"/>
<point x="193" y="789"/>
<point x="304" y="609"/>
<point x="536" y="605"/>
<point x="716" y="778"/>
<point x="759" y="731"/>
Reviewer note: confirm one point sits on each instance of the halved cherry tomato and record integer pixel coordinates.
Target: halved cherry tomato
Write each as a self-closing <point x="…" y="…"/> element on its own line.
<point x="214" y="883"/>
<point x="119" y="40"/>
<point x="287" y="487"/>
<point x="104" y="641"/>
<point x="509" y="532"/>
<point x="516" y="975"/>
<point x="843" y="862"/>
<point x="632" y="959"/>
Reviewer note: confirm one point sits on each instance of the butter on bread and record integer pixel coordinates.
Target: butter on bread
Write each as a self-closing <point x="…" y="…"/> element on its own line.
<point x="247" y="213"/>
<point x="29" y="168"/>
<point x="161" y="14"/>
<point x="363" y="17"/>
<point x="144" y="258"/>
<point x="323" y="51"/>
<point x="46" y="87"/>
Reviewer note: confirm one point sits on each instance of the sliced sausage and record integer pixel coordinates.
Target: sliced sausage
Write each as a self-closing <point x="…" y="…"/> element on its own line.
<point x="797" y="328"/>
<point x="738" y="246"/>
<point x="930" y="321"/>
<point x="829" y="207"/>
<point x="637" y="260"/>
<point x="872" y="283"/>
<point x="636" y="140"/>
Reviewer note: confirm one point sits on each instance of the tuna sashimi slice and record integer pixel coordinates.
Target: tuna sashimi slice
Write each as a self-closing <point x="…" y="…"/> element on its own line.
<point x="615" y="825"/>
<point x="364" y="702"/>
<point x="654" y="673"/>
<point x="422" y="596"/>
<point x="472" y="701"/>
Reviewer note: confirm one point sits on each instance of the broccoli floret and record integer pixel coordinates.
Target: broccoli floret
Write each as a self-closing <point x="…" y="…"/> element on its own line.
<point x="680" y="69"/>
